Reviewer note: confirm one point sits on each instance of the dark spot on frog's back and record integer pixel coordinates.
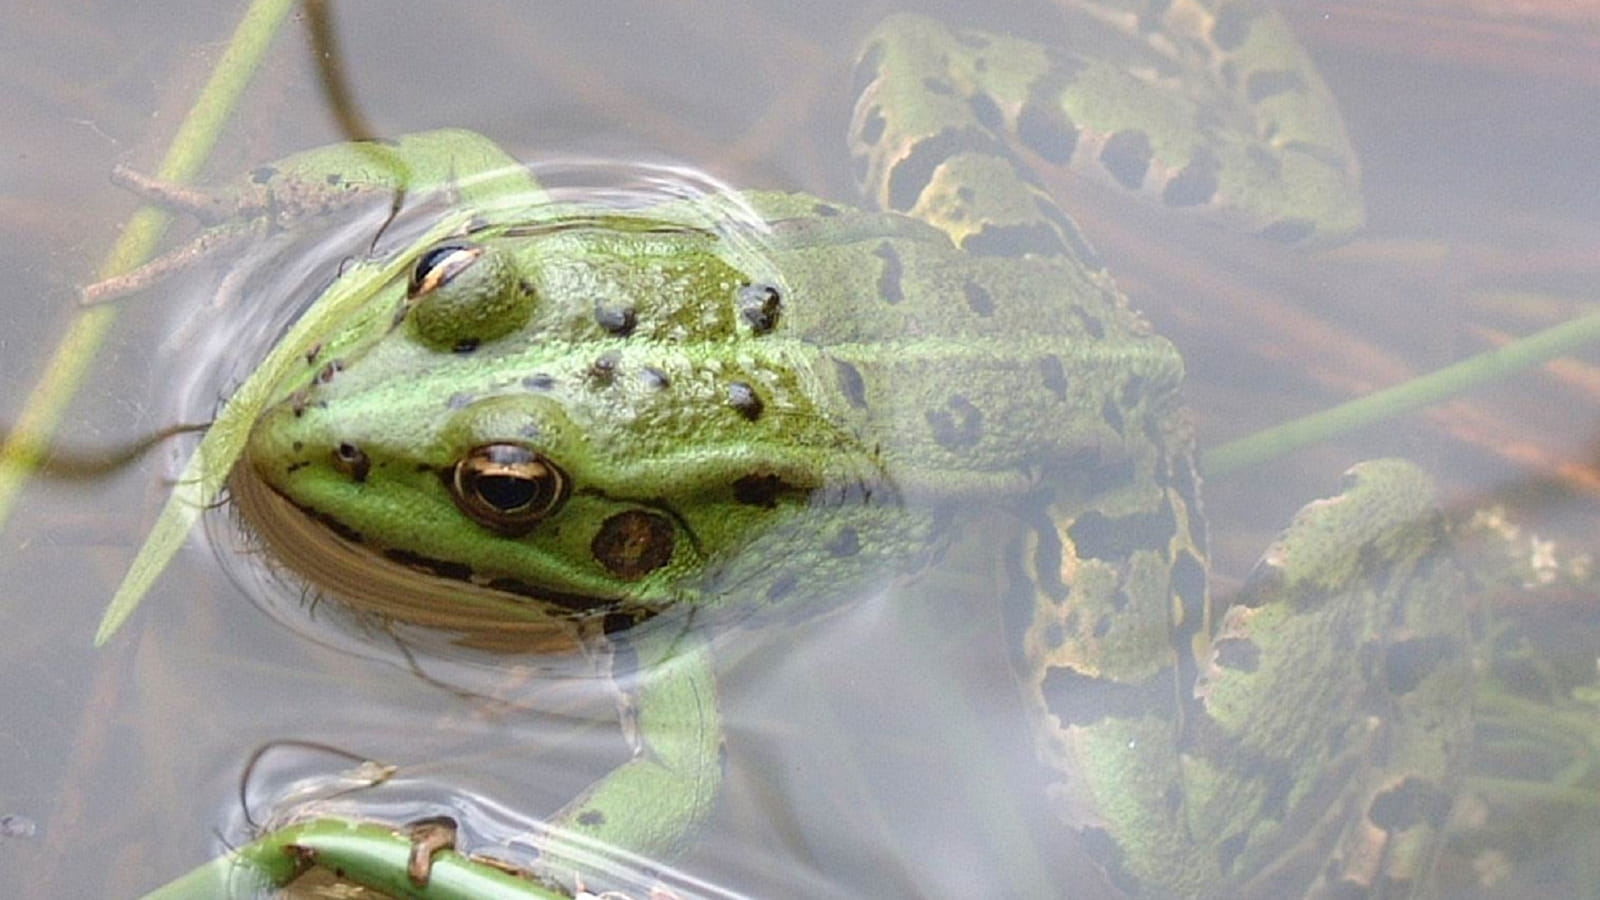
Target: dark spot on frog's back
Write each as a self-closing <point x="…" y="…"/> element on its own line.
<point x="1270" y="165"/>
<point x="604" y="368"/>
<point x="986" y="111"/>
<point x="782" y="586"/>
<point x="632" y="544"/>
<point x="655" y="378"/>
<point x="1092" y="326"/>
<point x="958" y="426"/>
<point x="872" y="129"/>
<point x="1054" y="375"/>
<point x="759" y="306"/>
<point x="1411" y="802"/>
<point x="1078" y="699"/>
<point x="889" y="287"/>
<point x="1279" y="783"/>
<point x="846" y="543"/>
<point x="744" y="399"/>
<point x="1133" y="390"/>
<point x="851" y="383"/>
<point x="1409" y="663"/>
<point x="1099" y="536"/>
<point x="911" y="175"/>
<point x="1228" y="851"/>
<point x="1102" y="625"/>
<point x="1014" y="241"/>
<point x="866" y="70"/>
<point x="617" y="321"/>
<point x="1196" y="184"/>
<point x="1238" y="654"/>
<point x="1126" y="157"/>
<point x="1045" y="128"/>
<point x="978" y="299"/>
<point x="1232" y="25"/>
<point x="1111" y="412"/>
<point x="938" y="86"/>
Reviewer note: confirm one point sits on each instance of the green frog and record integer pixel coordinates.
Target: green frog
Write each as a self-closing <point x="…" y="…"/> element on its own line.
<point x="567" y="426"/>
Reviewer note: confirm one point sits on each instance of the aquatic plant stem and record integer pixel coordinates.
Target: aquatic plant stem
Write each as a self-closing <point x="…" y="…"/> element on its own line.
<point x="25" y="446"/>
<point x="371" y="855"/>
<point x="1449" y="381"/>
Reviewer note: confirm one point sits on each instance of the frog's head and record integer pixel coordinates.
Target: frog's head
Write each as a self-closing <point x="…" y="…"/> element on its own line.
<point x="504" y="493"/>
<point x="506" y="436"/>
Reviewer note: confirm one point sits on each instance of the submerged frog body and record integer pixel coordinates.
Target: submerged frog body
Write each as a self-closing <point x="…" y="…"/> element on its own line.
<point x="570" y="421"/>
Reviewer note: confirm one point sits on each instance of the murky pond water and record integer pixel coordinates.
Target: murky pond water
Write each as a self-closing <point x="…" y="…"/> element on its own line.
<point x="881" y="751"/>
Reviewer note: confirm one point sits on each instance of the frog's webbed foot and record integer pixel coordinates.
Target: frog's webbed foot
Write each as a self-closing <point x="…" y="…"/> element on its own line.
<point x="232" y="219"/>
<point x="209" y="244"/>
<point x="208" y="207"/>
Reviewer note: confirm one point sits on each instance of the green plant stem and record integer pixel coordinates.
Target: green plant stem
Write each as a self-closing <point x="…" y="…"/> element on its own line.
<point x="1449" y="381"/>
<point x="64" y="372"/>
<point x="373" y="856"/>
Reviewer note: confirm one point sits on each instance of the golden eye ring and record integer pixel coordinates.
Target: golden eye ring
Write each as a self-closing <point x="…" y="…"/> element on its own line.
<point x="507" y="488"/>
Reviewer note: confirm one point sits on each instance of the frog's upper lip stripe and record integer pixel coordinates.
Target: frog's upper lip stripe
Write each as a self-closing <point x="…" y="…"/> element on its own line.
<point x="247" y="489"/>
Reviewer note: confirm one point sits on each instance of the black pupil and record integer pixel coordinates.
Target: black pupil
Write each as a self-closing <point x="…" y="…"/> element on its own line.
<point x="430" y="260"/>
<point x="506" y="492"/>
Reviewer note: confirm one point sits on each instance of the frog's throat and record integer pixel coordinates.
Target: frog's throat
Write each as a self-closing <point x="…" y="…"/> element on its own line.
<point x="409" y="587"/>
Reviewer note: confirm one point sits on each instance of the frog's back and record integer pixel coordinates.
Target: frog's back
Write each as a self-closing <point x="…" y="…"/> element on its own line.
<point x="968" y="371"/>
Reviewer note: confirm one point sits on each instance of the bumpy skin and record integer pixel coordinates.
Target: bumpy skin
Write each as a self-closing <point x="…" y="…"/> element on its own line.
<point x="576" y="421"/>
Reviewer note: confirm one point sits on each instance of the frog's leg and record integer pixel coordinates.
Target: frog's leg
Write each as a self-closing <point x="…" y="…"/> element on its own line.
<point x="1355" y="612"/>
<point x="1111" y="604"/>
<point x="1212" y="110"/>
<point x="1317" y="733"/>
<point x="323" y="182"/>
<point x="648" y="807"/>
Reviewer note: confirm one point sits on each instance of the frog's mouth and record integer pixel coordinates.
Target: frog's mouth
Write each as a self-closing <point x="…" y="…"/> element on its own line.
<point x="406" y="587"/>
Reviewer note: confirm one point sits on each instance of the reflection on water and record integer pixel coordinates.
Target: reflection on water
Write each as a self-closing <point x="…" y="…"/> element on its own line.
<point x="880" y="751"/>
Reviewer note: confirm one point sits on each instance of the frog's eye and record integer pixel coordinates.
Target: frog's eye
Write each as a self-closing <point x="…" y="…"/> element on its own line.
<point x="440" y="264"/>
<point x="463" y="294"/>
<point x="507" y="488"/>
